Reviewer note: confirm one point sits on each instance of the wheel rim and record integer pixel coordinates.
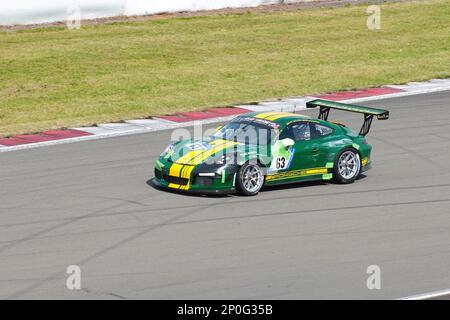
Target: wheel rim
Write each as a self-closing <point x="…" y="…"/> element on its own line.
<point x="252" y="178"/>
<point x="348" y="165"/>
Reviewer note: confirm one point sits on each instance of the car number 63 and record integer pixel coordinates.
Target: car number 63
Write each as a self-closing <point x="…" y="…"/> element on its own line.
<point x="281" y="163"/>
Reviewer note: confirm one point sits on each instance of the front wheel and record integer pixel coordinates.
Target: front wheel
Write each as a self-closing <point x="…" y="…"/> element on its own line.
<point x="250" y="179"/>
<point x="347" y="166"/>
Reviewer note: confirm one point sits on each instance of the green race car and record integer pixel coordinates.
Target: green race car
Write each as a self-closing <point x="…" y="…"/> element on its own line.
<point x="269" y="148"/>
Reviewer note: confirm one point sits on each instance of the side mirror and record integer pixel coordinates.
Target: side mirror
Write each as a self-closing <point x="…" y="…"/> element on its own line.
<point x="287" y="143"/>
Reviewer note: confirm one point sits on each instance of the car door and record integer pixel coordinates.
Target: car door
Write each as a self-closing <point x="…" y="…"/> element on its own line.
<point x="305" y="151"/>
<point x="321" y="137"/>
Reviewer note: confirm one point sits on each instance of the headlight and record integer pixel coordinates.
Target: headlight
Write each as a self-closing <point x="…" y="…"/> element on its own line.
<point x="223" y="159"/>
<point x="168" y="150"/>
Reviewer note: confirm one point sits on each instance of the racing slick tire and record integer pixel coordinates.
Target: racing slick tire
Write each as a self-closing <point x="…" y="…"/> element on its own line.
<point x="347" y="166"/>
<point x="250" y="179"/>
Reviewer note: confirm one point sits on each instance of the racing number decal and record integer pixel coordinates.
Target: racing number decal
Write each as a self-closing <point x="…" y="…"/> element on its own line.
<point x="280" y="163"/>
<point x="282" y="157"/>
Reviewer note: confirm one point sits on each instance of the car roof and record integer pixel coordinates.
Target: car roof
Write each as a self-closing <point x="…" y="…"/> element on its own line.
<point x="280" y="118"/>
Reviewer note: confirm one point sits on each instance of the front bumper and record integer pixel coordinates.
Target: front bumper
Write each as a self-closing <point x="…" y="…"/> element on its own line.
<point x="206" y="179"/>
<point x="160" y="184"/>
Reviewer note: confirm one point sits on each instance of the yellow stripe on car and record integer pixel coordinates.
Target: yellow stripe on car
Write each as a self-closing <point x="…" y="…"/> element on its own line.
<point x="189" y="156"/>
<point x="175" y="170"/>
<point x="186" y="174"/>
<point x="219" y="146"/>
<point x="274" y="116"/>
<point x="196" y="157"/>
<point x="278" y="115"/>
<point x="265" y="115"/>
<point x="185" y="165"/>
<point x="297" y="174"/>
<point x="316" y="171"/>
<point x="181" y="171"/>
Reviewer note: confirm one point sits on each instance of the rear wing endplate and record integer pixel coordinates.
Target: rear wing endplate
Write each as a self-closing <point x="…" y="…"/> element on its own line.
<point x="369" y="113"/>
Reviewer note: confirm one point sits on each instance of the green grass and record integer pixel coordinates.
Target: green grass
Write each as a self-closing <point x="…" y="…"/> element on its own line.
<point x="52" y="78"/>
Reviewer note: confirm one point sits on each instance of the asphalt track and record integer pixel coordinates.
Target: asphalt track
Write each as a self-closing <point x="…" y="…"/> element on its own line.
<point x="90" y="204"/>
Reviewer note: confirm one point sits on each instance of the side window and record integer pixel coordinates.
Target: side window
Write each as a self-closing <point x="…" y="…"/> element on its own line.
<point x="287" y="133"/>
<point x="318" y="131"/>
<point x="299" y="131"/>
<point x="302" y="131"/>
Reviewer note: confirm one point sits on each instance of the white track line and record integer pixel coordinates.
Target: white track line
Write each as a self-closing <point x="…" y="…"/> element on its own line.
<point x="426" y="296"/>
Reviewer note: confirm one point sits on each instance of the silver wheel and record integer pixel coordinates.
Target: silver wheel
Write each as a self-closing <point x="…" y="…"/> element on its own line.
<point x="349" y="165"/>
<point x="252" y="178"/>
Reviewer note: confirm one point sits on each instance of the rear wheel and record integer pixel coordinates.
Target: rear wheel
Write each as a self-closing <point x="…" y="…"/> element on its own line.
<point x="347" y="166"/>
<point x="250" y="179"/>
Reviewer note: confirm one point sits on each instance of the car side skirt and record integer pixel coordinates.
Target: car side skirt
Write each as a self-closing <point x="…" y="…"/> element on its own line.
<point x="310" y="174"/>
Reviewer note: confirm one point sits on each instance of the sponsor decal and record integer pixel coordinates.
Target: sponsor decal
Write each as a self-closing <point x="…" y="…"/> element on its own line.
<point x="197" y="146"/>
<point x="282" y="157"/>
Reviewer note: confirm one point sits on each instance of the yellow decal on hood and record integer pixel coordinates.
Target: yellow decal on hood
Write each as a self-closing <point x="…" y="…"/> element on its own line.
<point x="185" y="165"/>
<point x="196" y="157"/>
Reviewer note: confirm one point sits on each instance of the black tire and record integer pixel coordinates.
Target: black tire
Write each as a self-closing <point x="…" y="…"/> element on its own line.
<point x="242" y="180"/>
<point x="343" y="171"/>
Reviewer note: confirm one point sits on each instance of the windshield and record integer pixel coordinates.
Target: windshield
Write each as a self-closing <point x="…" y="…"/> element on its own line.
<point x="249" y="131"/>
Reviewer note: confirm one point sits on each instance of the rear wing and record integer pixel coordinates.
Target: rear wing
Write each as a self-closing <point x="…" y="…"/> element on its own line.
<point x="369" y="113"/>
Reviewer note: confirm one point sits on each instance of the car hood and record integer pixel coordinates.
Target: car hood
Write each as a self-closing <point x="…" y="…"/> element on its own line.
<point x="195" y="152"/>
